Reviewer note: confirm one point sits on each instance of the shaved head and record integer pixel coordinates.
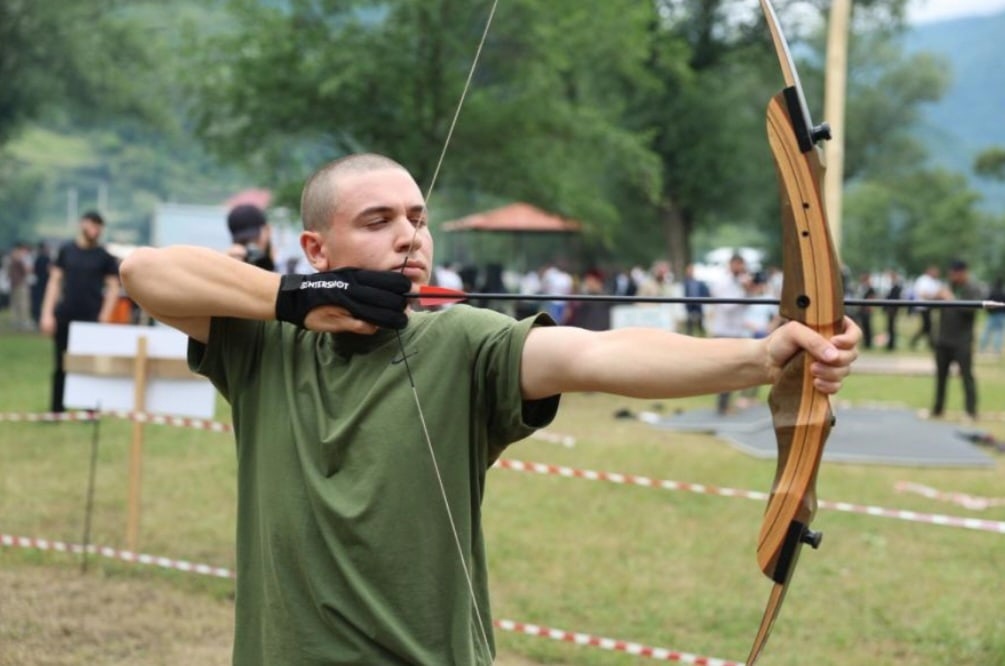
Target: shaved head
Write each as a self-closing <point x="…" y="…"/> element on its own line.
<point x="320" y="200"/>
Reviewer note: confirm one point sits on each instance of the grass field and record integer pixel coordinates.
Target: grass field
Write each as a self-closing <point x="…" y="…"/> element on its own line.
<point x="663" y="568"/>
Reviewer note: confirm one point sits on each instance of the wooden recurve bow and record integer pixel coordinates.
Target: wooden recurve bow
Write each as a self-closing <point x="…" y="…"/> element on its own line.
<point x="812" y="294"/>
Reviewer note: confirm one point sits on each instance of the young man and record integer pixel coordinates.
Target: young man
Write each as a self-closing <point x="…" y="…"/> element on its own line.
<point x="83" y="286"/>
<point x="359" y="522"/>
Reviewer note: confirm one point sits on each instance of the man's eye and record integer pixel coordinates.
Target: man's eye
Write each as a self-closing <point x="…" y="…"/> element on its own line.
<point x="419" y="222"/>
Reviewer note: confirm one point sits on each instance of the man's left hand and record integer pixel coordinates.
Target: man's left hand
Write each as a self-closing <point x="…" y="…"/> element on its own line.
<point x="832" y="358"/>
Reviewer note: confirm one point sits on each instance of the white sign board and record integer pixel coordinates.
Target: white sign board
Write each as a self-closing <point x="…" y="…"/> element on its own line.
<point x="645" y="315"/>
<point x="193" y="397"/>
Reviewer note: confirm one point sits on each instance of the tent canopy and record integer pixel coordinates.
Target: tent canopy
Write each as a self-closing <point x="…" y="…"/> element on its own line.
<point x="515" y="217"/>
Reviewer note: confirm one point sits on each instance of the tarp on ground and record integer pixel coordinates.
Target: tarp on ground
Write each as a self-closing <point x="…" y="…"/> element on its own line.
<point x="872" y="435"/>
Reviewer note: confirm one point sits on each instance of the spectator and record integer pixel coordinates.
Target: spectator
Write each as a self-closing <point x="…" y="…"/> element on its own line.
<point x="19" y="278"/>
<point x="927" y="286"/>
<point x="591" y="315"/>
<point x="729" y="320"/>
<point x="894" y="293"/>
<point x="694" y="288"/>
<point x="954" y="339"/>
<point x="994" y="327"/>
<point x="863" y="313"/>
<point x="251" y="236"/>
<point x="83" y="286"/>
<point x="40" y="269"/>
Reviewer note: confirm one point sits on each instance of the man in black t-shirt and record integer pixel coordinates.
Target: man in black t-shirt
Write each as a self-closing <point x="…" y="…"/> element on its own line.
<point x="954" y="339"/>
<point x="83" y="286"/>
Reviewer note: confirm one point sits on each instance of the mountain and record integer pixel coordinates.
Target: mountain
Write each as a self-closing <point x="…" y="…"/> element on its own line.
<point x="971" y="116"/>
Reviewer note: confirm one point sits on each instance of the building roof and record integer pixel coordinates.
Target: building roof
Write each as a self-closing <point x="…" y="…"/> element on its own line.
<point x="514" y="217"/>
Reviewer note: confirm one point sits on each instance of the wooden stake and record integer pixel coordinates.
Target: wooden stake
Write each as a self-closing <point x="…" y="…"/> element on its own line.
<point x="136" y="448"/>
<point x="834" y="113"/>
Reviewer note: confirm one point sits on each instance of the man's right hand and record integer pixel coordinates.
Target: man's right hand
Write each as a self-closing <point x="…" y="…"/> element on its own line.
<point x="319" y="301"/>
<point x="47" y="324"/>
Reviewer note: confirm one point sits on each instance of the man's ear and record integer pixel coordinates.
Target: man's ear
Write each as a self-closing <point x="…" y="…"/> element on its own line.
<point x="313" y="246"/>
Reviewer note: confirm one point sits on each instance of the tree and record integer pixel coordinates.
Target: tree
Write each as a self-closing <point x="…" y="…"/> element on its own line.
<point x="54" y="54"/>
<point x="904" y="222"/>
<point x="19" y="188"/>
<point x="298" y="84"/>
<point x="991" y="164"/>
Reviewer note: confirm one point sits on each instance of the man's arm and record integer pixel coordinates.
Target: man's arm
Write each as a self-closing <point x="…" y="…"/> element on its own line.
<point x="649" y="363"/>
<point x="111" y="297"/>
<point x="185" y="287"/>
<point x="53" y="288"/>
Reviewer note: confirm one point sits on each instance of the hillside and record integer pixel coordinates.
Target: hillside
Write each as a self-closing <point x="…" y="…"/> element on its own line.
<point x="971" y="116"/>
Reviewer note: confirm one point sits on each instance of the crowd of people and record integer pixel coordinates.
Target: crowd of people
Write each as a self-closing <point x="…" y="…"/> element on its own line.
<point x="949" y="334"/>
<point x="24" y="273"/>
<point x="46" y="290"/>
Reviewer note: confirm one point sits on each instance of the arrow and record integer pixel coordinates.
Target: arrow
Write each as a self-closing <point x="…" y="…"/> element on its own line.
<point x="431" y="295"/>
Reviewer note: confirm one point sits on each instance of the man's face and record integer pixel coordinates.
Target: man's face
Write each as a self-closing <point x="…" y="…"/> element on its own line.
<point x="737" y="266"/>
<point x="380" y="224"/>
<point x="91" y="230"/>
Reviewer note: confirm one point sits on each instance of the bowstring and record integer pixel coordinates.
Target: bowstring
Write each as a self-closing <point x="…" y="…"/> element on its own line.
<point x="401" y="344"/>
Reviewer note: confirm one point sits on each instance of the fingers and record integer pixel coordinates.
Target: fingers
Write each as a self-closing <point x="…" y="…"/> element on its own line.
<point x="850" y="337"/>
<point x="817" y="346"/>
<point x="832" y="358"/>
<point x="336" y="319"/>
<point x="380" y="298"/>
<point x="383" y="317"/>
<point x="391" y="281"/>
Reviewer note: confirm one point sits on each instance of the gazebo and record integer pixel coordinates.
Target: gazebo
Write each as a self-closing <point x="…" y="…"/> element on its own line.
<point x="518" y="220"/>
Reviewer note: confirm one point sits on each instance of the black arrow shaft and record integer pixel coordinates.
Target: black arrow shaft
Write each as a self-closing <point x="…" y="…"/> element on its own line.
<point x="699" y="300"/>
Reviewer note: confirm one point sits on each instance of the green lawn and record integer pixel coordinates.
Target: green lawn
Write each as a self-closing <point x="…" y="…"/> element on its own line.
<point x="664" y="568"/>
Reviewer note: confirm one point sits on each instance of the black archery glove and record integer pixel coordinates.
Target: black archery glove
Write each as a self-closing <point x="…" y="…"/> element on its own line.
<point x="377" y="297"/>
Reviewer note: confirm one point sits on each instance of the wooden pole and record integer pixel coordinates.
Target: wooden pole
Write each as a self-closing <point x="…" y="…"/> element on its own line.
<point x="835" y="89"/>
<point x="136" y="448"/>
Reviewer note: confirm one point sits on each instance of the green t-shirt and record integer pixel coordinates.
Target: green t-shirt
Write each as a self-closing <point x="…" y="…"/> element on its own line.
<point x="345" y="554"/>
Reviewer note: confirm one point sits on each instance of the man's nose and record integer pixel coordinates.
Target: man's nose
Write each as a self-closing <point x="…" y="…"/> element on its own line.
<point x="408" y="240"/>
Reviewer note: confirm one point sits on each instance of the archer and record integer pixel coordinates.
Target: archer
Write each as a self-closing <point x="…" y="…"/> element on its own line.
<point x="365" y="430"/>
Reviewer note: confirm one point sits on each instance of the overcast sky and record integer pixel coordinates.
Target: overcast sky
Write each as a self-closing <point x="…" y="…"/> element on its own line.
<point x="921" y="11"/>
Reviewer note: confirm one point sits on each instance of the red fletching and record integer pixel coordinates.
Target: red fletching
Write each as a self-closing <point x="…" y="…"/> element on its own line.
<point x="431" y="295"/>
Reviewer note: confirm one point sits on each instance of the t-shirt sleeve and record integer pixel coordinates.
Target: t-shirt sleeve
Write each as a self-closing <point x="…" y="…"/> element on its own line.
<point x="230" y="356"/>
<point x="60" y="261"/>
<point x="111" y="265"/>
<point x="497" y="369"/>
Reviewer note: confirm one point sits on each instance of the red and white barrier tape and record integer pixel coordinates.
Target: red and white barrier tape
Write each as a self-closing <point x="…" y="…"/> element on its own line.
<point x="591" y="475"/>
<point x="112" y="553"/>
<point x="139" y="417"/>
<point x="963" y="499"/>
<point x="568" y="472"/>
<point x="637" y="649"/>
<point x="198" y="424"/>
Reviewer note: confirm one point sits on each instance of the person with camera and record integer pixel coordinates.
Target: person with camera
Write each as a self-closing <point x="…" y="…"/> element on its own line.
<point x="251" y="236"/>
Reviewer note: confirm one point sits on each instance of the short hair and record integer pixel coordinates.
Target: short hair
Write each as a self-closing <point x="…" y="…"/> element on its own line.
<point x="319" y="201"/>
<point x="93" y="216"/>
